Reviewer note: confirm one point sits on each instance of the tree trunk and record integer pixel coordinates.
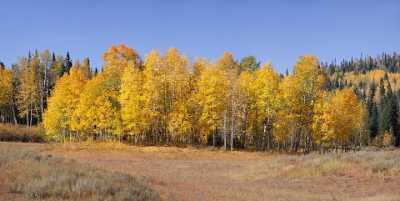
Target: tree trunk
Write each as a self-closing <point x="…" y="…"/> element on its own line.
<point x="296" y="140"/>
<point x="14" y="116"/>
<point x="264" y="136"/>
<point x="244" y="130"/>
<point x="31" y="118"/>
<point x="232" y="130"/>
<point x="225" y="131"/>
<point x="214" y="137"/>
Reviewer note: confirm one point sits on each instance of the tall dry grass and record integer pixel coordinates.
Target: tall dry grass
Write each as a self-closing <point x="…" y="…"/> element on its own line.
<point x="368" y="162"/>
<point x="21" y="133"/>
<point x="41" y="177"/>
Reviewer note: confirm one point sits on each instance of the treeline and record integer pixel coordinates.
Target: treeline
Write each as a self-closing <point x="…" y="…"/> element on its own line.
<point x="165" y="99"/>
<point x="390" y="62"/>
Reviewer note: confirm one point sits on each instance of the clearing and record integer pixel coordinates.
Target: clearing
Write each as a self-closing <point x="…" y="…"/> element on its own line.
<point x="206" y="175"/>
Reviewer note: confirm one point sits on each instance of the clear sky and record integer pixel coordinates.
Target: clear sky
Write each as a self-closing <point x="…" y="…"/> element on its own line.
<point x="279" y="31"/>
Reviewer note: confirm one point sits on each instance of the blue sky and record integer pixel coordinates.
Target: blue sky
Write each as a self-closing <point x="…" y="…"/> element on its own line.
<point x="279" y="31"/>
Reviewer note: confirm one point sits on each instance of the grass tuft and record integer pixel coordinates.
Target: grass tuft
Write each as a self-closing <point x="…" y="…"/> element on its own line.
<point x="20" y="133"/>
<point x="46" y="177"/>
<point x="371" y="163"/>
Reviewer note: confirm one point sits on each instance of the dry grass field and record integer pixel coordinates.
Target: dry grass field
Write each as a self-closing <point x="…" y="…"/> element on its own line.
<point x="205" y="174"/>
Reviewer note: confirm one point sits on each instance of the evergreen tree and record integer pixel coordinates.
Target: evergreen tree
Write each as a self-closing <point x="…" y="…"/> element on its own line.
<point x="2" y="66"/>
<point x="57" y="67"/>
<point x="383" y="109"/>
<point x="393" y="114"/>
<point x="67" y="64"/>
<point x="86" y="69"/>
<point x="249" y="63"/>
<point x="372" y="112"/>
<point x="373" y="121"/>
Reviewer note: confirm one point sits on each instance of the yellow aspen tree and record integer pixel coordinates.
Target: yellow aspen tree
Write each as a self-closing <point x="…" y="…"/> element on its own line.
<point x="107" y="114"/>
<point x="28" y="96"/>
<point x="178" y="79"/>
<point x="97" y="113"/>
<point x="212" y="97"/>
<point x="193" y="107"/>
<point x="119" y="57"/>
<point x="302" y="90"/>
<point x="63" y="103"/>
<point x="83" y="117"/>
<point x="266" y="102"/>
<point x="198" y="66"/>
<point x="99" y="107"/>
<point x="246" y="105"/>
<point x="153" y="94"/>
<point x="6" y="92"/>
<point x="134" y="116"/>
<point x="5" y="86"/>
<point x="319" y="133"/>
<point x="228" y="64"/>
<point x="284" y="124"/>
<point x="339" y="119"/>
<point x="44" y="77"/>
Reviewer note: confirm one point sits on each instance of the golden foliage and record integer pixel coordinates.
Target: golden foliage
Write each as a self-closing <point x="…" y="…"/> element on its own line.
<point x="337" y="117"/>
<point x="63" y="103"/>
<point x="5" y="86"/>
<point x="212" y="98"/>
<point x="161" y="100"/>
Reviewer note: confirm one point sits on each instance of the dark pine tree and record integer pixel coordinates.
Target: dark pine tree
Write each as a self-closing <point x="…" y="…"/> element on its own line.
<point x="53" y="58"/>
<point x="2" y="66"/>
<point x="373" y="120"/>
<point x="384" y="108"/>
<point x="67" y="64"/>
<point x="394" y="115"/>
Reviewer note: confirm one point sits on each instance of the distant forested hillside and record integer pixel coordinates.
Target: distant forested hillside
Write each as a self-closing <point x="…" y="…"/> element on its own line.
<point x="376" y="81"/>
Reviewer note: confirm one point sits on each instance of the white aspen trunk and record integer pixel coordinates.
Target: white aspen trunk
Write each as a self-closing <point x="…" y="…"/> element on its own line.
<point x="225" y="130"/>
<point x="232" y="126"/>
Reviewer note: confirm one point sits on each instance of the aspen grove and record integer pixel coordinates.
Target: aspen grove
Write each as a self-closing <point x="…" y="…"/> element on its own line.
<point x="168" y="100"/>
